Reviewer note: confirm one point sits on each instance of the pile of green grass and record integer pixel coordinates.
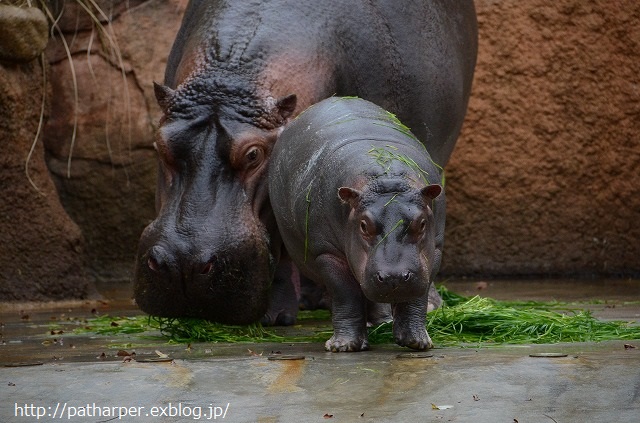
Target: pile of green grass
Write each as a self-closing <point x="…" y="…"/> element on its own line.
<point x="461" y="320"/>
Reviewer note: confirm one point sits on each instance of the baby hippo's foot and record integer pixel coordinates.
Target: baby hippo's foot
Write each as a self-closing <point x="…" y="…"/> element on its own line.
<point x="346" y="344"/>
<point x="415" y="338"/>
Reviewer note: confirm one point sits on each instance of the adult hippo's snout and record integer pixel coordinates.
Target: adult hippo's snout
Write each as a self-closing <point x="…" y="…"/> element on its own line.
<point x="163" y="262"/>
<point x="176" y="278"/>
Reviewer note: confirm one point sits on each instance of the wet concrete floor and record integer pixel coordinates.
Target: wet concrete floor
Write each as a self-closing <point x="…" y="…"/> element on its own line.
<point x="589" y="382"/>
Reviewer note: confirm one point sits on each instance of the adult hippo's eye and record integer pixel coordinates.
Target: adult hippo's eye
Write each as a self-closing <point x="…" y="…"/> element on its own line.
<point x="254" y="156"/>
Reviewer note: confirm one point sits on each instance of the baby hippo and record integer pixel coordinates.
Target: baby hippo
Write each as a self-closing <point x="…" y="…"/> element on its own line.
<point x="360" y="208"/>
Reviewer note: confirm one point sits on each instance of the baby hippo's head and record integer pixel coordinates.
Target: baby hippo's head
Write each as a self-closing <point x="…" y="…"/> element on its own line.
<point x="390" y="245"/>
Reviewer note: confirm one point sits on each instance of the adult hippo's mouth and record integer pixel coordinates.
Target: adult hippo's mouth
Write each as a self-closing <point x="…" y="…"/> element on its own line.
<point x="178" y="279"/>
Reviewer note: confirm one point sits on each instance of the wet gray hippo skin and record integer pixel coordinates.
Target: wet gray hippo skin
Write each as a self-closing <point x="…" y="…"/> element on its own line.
<point x="361" y="208"/>
<point x="237" y="73"/>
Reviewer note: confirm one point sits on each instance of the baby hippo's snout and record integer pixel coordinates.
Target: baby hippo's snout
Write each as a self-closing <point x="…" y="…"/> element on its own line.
<point x="394" y="284"/>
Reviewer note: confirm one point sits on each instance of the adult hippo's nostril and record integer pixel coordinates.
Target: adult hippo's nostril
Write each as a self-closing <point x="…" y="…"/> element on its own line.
<point x="157" y="258"/>
<point x="153" y="264"/>
<point x="380" y="277"/>
<point x="407" y="276"/>
<point x="207" y="268"/>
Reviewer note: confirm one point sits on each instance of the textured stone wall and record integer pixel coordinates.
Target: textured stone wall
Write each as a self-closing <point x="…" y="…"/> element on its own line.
<point x="106" y="175"/>
<point x="40" y="246"/>
<point x="546" y="176"/>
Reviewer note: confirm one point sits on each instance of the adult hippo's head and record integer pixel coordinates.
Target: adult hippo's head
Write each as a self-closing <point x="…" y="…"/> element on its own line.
<point x="212" y="250"/>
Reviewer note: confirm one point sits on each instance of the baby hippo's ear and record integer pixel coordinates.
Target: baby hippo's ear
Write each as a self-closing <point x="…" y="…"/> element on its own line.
<point x="431" y="192"/>
<point x="349" y="196"/>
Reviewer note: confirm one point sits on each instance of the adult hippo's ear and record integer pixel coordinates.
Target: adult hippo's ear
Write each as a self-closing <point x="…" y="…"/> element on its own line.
<point x="163" y="94"/>
<point x="349" y="196"/>
<point x="431" y="192"/>
<point x="286" y="106"/>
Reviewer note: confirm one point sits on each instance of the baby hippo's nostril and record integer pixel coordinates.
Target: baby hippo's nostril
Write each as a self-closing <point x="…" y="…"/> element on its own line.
<point x="380" y="277"/>
<point x="407" y="276"/>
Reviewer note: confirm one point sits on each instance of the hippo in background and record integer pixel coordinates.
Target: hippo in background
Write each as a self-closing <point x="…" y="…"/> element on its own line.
<point x="237" y="73"/>
<point x="360" y="207"/>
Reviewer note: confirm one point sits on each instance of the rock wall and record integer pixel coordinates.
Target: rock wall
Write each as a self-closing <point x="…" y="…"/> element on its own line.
<point x="546" y="176"/>
<point x="40" y="246"/>
<point x="106" y="171"/>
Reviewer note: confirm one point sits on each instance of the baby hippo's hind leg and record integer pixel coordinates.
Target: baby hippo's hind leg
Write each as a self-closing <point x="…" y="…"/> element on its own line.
<point x="409" y="324"/>
<point x="348" y="306"/>
<point x="435" y="300"/>
<point x="378" y="313"/>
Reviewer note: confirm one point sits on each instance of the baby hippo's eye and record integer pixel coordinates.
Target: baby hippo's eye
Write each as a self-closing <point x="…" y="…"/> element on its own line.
<point x="364" y="227"/>
<point x="423" y="225"/>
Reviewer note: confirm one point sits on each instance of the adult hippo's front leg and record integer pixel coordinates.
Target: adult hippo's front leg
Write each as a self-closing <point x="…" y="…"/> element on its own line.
<point x="285" y="291"/>
<point x="348" y="306"/>
<point x="409" y="323"/>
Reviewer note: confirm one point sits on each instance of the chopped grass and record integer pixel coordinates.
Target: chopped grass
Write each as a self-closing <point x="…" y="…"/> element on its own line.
<point x="462" y="320"/>
<point x="398" y="223"/>
<point x="384" y="158"/>
<point x="306" y="223"/>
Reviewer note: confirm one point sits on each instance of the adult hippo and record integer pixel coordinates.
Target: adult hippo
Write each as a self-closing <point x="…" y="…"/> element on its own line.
<point x="360" y="207"/>
<point x="238" y="71"/>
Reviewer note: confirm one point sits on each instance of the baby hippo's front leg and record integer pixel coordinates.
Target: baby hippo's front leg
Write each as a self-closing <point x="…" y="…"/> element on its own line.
<point x="348" y="307"/>
<point x="409" y="324"/>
